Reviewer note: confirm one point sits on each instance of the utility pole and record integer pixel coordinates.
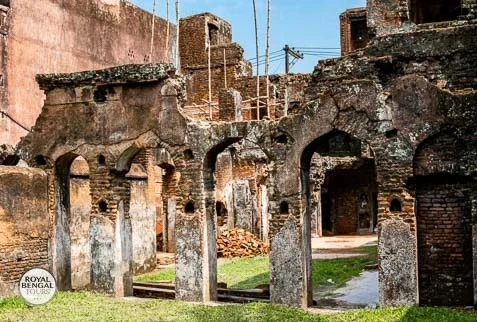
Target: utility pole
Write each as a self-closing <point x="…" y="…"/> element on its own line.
<point x="293" y="53"/>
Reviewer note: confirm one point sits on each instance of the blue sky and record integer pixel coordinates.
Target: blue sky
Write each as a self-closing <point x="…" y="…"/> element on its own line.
<point x="298" y="23"/>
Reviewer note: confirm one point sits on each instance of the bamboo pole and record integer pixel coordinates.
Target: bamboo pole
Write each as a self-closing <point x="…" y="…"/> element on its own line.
<point x="177" y="35"/>
<point x="210" y="79"/>
<point x="225" y="70"/>
<point x="257" y="54"/>
<point x="267" y="54"/>
<point x="153" y="29"/>
<point x="168" y="28"/>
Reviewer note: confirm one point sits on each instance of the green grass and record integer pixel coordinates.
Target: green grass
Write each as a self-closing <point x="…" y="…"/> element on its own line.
<point x="244" y="273"/>
<point x="240" y="273"/>
<point x="338" y="270"/>
<point x="90" y="307"/>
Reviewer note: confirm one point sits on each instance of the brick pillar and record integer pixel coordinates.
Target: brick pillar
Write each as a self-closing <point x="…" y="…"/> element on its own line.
<point x="243" y="209"/>
<point x="230" y="105"/>
<point x="397" y="246"/>
<point x="290" y="254"/>
<point x="196" y="256"/>
<point x="110" y="233"/>
<point x="386" y="16"/>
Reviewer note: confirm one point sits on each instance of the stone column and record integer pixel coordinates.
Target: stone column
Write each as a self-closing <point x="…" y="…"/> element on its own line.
<point x="196" y="256"/>
<point x="110" y="234"/>
<point x="230" y="105"/>
<point x="290" y="235"/>
<point x="397" y="249"/>
<point x="243" y="209"/>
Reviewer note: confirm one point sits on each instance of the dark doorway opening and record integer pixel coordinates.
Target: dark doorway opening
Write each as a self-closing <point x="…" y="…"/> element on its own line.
<point x="427" y="11"/>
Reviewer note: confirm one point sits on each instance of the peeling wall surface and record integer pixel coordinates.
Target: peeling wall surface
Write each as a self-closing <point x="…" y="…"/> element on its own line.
<point x="79" y="228"/>
<point x="53" y="36"/>
<point x="143" y="228"/>
<point x="24" y="233"/>
<point x="398" y="117"/>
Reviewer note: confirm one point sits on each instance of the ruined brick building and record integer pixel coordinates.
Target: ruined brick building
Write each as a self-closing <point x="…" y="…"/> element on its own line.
<point x="382" y="138"/>
<point x="53" y="36"/>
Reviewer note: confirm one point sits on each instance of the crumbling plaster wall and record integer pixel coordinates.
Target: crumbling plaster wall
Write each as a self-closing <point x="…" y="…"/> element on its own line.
<point x="79" y="224"/>
<point x="108" y="147"/>
<point x="53" y="36"/>
<point x="24" y="233"/>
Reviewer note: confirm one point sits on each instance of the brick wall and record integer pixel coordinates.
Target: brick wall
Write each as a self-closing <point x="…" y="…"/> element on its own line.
<point x="23" y="224"/>
<point x="353" y="30"/>
<point x="444" y="230"/>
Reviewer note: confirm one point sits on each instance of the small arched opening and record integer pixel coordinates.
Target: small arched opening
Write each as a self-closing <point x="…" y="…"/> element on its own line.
<point x="395" y="205"/>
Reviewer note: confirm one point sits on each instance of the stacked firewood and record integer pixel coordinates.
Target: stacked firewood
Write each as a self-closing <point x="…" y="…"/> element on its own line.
<point x="240" y="243"/>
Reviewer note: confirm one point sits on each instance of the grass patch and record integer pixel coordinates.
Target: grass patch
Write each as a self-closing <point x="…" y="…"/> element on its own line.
<point x="244" y="273"/>
<point x="80" y="306"/>
<point x="339" y="271"/>
<point x="240" y="273"/>
<point x="167" y="274"/>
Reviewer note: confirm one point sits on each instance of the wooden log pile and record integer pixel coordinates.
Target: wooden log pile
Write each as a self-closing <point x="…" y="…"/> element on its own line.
<point x="240" y="243"/>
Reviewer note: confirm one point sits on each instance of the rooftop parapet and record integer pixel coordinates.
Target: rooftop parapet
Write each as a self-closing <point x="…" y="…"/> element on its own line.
<point x="116" y="75"/>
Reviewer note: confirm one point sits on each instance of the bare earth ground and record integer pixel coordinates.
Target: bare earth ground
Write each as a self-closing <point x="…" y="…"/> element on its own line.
<point x="340" y="246"/>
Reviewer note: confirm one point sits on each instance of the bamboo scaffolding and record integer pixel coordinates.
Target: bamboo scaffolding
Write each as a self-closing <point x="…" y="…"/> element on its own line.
<point x="177" y="34"/>
<point x="225" y="70"/>
<point x="258" y="56"/>
<point x="210" y="78"/>
<point x="153" y="29"/>
<point x="168" y="28"/>
<point x="267" y="55"/>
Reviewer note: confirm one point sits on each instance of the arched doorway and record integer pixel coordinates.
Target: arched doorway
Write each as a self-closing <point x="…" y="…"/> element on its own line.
<point x="339" y="195"/>
<point x="72" y="223"/>
<point x="341" y="183"/>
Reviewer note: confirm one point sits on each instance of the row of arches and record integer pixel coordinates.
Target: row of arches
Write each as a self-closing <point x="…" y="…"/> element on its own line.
<point x="404" y="201"/>
<point x="105" y="223"/>
<point x="348" y="175"/>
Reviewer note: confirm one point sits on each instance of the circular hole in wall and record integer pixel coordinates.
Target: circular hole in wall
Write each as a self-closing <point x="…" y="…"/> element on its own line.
<point x="103" y="206"/>
<point x="40" y="160"/>
<point x="395" y="206"/>
<point x="282" y="138"/>
<point x="189" y="208"/>
<point x="284" y="208"/>
<point x="101" y="160"/>
<point x="188" y="154"/>
<point x="100" y="95"/>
